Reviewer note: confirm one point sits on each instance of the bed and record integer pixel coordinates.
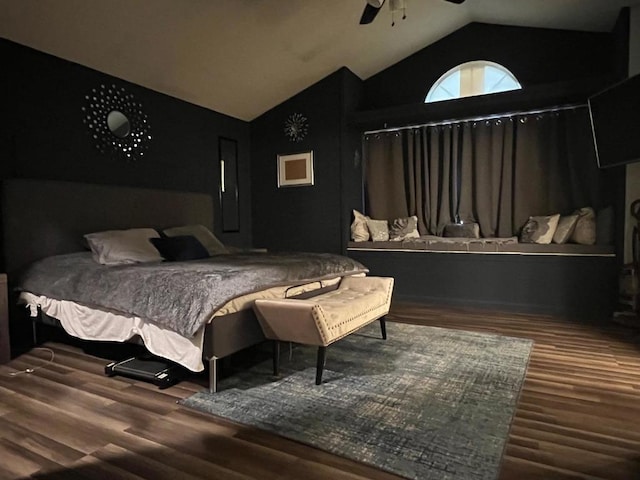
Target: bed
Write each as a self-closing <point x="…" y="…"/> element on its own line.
<point x="44" y="224"/>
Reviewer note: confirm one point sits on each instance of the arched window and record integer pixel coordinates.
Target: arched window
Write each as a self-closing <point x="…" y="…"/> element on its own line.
<point x="472" y="78"/>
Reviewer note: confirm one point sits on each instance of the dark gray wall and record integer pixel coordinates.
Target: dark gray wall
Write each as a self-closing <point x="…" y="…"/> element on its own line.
<point x="535" y="56"/>
<point x="42" y="134"/>
<point x="554" y="66"/>
<point x="307" y="218"/>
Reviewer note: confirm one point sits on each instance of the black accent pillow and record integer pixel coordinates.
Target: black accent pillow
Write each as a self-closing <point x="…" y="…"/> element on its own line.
<point x="180" y="248"/>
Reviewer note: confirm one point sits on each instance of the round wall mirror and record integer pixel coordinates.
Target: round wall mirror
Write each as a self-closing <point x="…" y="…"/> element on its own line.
<point x="118" y="123"/>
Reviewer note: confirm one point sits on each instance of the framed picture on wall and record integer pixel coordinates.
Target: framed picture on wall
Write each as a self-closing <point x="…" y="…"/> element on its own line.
<point x="295" y="170"/>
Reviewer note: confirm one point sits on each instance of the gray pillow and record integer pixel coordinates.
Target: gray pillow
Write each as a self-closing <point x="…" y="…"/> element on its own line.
<point x="585" y="231"/>
<point x="401" y="228"/>
<point x="566" y="226"/>
<point x="540" y="229"/>
<point x="605" y="226"/>
<point x="379" y="230"/>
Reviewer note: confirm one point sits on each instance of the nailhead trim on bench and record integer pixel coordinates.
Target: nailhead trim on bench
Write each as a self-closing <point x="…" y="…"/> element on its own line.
<point x="323" y="309"/>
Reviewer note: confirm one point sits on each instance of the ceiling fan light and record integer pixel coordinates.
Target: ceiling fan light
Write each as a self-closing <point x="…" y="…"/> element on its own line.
<point x="396" y="5"/>
<point x="376" y="3"/>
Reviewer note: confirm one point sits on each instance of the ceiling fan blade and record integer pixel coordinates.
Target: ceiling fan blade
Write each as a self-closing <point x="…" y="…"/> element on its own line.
<point x="370" y="12"/>
<point x="455" y="1"/>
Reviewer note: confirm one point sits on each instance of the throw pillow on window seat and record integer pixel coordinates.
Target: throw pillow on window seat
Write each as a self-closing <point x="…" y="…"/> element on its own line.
<point x="378" y="229"/>
<point x="585" y="231"/>
<point x="403" y="228"/>
<point x="566" y="226"/>
<point x="540" y="229"/>
<point x="359" y="230"/>
<point x="605" y="226"/>
<point x="462" y="230"/>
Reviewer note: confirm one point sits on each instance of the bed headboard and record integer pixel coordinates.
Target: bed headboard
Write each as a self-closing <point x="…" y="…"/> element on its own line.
<point x="42" y="217"/>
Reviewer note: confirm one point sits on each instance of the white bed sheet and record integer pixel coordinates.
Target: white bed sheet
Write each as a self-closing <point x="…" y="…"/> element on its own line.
<point x="92" y="324"/>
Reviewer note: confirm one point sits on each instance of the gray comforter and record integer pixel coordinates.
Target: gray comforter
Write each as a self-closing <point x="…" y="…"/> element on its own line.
<point x="181" y="296"/>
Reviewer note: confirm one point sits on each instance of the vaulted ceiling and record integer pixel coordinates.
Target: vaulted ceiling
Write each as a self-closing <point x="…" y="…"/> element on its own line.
<point x="243" y="57"/>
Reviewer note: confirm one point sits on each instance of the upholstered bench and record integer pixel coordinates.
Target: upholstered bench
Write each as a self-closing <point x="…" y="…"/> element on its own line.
<point x="326" y="318"/>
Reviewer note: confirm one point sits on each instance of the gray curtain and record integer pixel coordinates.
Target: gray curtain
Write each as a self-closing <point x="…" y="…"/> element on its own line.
<point x="385" y="177"/>
<point x="495" y="172"/>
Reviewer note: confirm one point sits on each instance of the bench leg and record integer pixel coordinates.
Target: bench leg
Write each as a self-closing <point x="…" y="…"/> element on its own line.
<point x="383" y="328"/>
<point x="322" y="355"/>
<point x="34" y="330"/>
<point x="276" y="358"/>
<point x="213" y="374"/>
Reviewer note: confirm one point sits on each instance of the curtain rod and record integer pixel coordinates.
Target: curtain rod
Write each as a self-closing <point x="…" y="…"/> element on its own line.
<point x="481" y="118"/>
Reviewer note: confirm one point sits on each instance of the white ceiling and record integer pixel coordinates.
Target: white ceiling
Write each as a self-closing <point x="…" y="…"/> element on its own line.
<point x="243" y="57"/>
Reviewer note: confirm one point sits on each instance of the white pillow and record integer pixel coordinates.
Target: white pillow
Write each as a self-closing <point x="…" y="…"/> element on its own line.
<point x="359" y="230"/>
<point x="116" y="247"/>
<point x="208" y="240"/>
<point x="566" y="226"/>
<point x="540" y="229"/>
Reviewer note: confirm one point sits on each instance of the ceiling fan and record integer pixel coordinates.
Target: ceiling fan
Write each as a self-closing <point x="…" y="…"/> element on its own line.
<point x="372" y="8"/>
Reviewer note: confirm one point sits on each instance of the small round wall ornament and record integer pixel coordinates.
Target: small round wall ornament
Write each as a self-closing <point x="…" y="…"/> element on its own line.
<point x="116" y="122"/>
<point x="296" y="127"/>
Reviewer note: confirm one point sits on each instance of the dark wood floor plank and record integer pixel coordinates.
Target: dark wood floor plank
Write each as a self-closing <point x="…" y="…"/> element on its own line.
<point x="140" y="465"/>
<point x="42" y="445"/>
<point x="522" y="469"/>
<point x="50" y="420"/>
<point x="184" y="462"/>
<point x="19" y="461"/>
<point x="96" y="468"/>
<point x="577" y="416"/>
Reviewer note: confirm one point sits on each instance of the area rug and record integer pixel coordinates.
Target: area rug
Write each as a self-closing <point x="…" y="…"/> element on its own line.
<point x="427" y="403"/>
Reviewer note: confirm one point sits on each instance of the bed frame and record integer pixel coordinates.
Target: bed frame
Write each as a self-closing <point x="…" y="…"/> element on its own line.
<point x="41" y="218"/>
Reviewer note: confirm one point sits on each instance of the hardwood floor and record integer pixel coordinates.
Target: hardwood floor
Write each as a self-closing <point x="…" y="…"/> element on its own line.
<point x="578" y="414"/>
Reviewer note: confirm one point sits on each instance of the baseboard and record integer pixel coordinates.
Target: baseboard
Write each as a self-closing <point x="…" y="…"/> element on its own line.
<point x="510" y="307"/>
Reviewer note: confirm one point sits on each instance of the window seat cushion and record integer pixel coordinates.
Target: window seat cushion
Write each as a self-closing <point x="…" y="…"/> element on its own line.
<point x="510" y="245"/>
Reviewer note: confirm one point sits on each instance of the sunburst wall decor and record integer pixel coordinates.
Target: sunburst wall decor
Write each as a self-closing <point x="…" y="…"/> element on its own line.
<point x="116" y="122"/>
<point x="296" y="127"/>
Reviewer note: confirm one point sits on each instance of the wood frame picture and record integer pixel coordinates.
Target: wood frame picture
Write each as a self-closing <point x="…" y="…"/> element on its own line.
<point x="295" y="170"/>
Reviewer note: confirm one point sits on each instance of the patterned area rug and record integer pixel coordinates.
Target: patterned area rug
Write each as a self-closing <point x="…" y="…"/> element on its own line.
<point x="428" y="403"/>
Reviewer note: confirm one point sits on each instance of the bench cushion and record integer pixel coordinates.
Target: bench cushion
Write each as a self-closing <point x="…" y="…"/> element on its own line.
<point x="323" y="319"/>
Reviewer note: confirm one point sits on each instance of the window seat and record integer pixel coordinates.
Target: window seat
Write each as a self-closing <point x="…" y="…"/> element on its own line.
<point x="510" y="245"/>
<point x="577" y="281"/>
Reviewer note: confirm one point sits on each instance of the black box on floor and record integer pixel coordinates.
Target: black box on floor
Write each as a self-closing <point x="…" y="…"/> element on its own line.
<point x="158" y="371"/>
